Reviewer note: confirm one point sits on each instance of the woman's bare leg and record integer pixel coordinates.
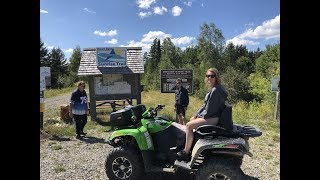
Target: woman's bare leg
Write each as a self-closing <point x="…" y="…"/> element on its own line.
<point x="192" y="124"/>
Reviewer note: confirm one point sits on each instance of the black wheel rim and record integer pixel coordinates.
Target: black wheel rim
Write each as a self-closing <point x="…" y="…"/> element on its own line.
<point x="122" y="168"/>
<point x="218" y="176"/>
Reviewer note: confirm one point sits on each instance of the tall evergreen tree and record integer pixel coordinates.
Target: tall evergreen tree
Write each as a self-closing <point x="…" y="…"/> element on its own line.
<point x="168" y="54"/>
<point x="211" y="42"/>
<point x="190" y="55"/>
<point x="153" y="55"/>
<point x="58" y="65"/>
<point x="74" y="60"/>
<point x="245" y="65"/>
<point x="268" y="64"/>
<point x="158" y="52"/>
<point x="43" y="54"/>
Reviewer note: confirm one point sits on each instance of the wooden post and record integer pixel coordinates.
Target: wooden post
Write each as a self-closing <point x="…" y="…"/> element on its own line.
<point x="93" y="111"/>
<point x="137" y="79"/>
<point x="277" y="108"/>
<point x="41" y="120"/>
<point x="41" y="108"/>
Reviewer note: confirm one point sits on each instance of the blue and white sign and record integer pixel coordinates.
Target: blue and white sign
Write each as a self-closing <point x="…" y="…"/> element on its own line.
<point x="45" y="77"/>
<point x="111" y="56"/>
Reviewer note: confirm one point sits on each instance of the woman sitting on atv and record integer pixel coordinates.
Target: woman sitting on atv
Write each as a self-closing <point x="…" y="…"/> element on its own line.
<point x="209" y="113"/>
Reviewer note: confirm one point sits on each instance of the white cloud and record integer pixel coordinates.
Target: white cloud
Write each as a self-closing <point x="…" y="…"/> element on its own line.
<point x="239" y="41"/>
<point x="202" y="5"/>
<point x="182" y="40"/>
<point x="43" y="11"/>
<point x="145" y="46"/>
<point x="144" y="14"/>
<point x="145" y="4"/>
<point x="70" y="50"/>
<point x="151" y="35"/>
<point x="188" y="3"/>
<point x="159" y="10"/>
<point x="112" y="41"/>
<point x="89" y="11"/>
<point x="148" y="38"/>
<point x="110" y="33"/>
<point x="50" y="47"/>
<point x="176" y="11"/>
<point x="268" y="30"/>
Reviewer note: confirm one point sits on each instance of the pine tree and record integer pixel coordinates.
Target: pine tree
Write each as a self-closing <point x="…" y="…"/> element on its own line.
<point x="57" y="63"/>
<point x="43" y="54"/>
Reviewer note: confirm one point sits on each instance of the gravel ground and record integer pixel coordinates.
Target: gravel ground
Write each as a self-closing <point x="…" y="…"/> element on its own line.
<point x="57" y="101"/>
<point x="81" y="159"/>
<point x="78" y="159"/>
<point x="70" y="158"/>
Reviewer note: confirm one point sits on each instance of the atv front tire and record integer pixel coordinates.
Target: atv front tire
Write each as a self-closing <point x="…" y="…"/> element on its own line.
<point x="219" y="168"/>
<point x="124" y="163"/>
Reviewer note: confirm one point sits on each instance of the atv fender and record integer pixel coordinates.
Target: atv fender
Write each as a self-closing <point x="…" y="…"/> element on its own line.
<point x="141" y="136"/>
<point x="230" y="146"/>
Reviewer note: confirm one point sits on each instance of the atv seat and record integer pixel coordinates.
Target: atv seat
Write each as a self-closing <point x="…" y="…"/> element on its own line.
<point x="224" y="126"/>
<point x="212" y="131"/>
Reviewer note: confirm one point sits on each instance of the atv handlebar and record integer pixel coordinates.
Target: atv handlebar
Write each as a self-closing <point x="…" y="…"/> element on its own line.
<point x="153" y="112"/>
<point x="159" y="107"/>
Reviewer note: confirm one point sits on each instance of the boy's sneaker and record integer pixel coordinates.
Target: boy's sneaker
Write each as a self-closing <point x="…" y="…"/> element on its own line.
<point x="78" y="136"/>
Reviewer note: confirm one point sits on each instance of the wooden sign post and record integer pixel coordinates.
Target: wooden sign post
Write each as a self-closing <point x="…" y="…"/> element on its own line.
<point x="44" y="81"/>
<point x="275" y="87"/>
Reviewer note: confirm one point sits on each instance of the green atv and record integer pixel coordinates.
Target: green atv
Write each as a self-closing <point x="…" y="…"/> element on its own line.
<point x="147" y="143"/>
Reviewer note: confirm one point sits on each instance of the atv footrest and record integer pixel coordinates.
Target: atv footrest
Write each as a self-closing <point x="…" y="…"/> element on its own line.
<point x="183" y="164"/>
<point x="159" y="169"/>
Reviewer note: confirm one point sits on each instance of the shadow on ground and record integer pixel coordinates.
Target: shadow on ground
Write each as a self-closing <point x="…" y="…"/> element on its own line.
<point x="93" y="140"/>
<point x="167" y="176"/>
<point x="58" y="138"/>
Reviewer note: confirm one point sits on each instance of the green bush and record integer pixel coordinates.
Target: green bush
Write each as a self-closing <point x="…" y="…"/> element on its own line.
<point x="255" y="113"/>
<point x="237" y="85"/>
<point x="260" y="87"/>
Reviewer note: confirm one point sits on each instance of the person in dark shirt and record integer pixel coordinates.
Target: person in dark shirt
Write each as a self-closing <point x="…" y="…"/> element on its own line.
<point x="182" y="101"/>
<point x="209" y="112"/>
<point x="79" y="108"/>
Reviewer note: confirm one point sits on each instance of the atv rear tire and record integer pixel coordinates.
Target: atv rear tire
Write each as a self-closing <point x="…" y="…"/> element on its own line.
<point x="219" y="168"/>
<point x="124" y="163"/>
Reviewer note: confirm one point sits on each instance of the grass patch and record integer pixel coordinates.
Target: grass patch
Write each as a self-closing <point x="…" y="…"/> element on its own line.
<point x="51" y="115"/>
<point x="56" y="92"/>
<point x="59" y="168"/>
<point x="56" y="147"/>
<point x="256" y="114"/>
<point x="63" y="130"/>
<point x="153" y="98"/>
<point x="94" y="125"/>
<point x="60" y="128"/>
<point x="51" y="143"/>
<point x="276" y="137"/>
<point x="269" y="157"/>
<point x="48" y="93"/>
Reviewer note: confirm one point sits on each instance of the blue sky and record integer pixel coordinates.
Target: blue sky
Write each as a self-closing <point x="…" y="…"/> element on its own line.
<point x="115" y="23"/>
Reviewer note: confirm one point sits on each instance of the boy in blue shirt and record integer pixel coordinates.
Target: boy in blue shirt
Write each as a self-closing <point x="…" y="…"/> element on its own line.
<point x="79" y="108"/>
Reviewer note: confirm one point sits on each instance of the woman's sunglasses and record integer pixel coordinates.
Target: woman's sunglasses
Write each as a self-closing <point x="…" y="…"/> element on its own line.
<point x="211" y="75"/>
